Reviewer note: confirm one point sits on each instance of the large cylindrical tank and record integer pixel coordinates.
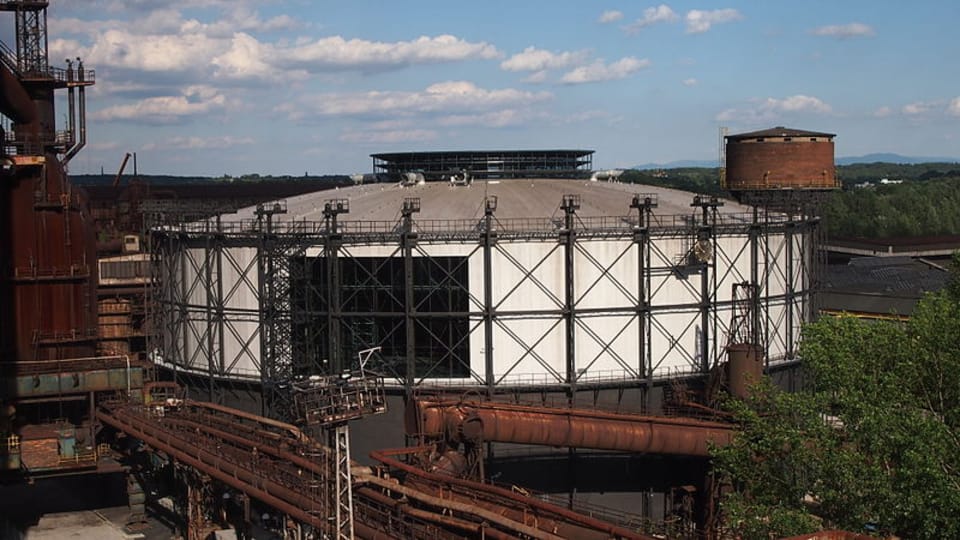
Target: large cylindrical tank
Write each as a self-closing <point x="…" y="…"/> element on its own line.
<point x="780" y="158"/>
<point x="744" y="368"/>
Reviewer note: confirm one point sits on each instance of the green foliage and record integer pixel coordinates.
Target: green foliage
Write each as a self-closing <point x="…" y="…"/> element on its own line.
<point x="693" y="179"/>
<point x="913" y="208"/>
<point x="926" y="203"/>
<point x="873" y="441"/>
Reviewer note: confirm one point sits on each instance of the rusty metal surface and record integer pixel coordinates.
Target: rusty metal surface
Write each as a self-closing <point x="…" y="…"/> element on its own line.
<point x="516" y="506"/>
<point x="475" y="421"/>
<point x="53" y="305"/>
<point x="15" y="103"/>
<point x="265" y="459"/>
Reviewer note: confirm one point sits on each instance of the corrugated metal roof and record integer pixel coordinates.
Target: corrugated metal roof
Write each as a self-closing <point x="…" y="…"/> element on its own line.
<point x="779" y="131"/>
<point x="536" y="198"/>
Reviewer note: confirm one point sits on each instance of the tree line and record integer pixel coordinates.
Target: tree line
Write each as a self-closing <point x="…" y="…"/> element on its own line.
<point x="877" y="200"/>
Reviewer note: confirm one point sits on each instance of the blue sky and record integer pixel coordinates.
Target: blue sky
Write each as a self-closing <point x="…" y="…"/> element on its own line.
<point x="214" y="87"/>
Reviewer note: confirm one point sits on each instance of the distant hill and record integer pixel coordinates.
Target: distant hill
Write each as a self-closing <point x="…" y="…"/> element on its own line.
<point x="885" y="157"/>
<point x="680" y="164"/>
<point x="894" y="158"/>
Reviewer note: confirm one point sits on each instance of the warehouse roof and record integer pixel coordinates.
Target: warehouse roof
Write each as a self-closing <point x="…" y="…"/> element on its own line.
<point x="532" y="198"/>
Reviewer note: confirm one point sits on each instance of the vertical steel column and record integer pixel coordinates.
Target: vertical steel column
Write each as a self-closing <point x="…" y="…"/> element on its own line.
<point x="208" y="290"/>
<point x="705" y="252"/>
<point x="408" y="240"/>
<point x="275" y="365"/>
<point x="220" y="315"/>
<point x="489" y="239"/>
<point x="791" y="293"/>
<point x="644" y="205"/>
<point x="568" y="236"/>
<point x="342" y="484"/>
<point x="332" y="242"/>
<point x="754" y="239"/>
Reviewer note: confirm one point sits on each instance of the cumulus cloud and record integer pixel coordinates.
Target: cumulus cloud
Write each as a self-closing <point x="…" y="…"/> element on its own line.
<point x="771" y="108"/>
<point x="690" y="82"/>
<point x="954" y="107"/>
<point x="844" y="31"/>
<point x="164" y="41"/>
<point x="534" y="59"/>
<point x="917" y="108"/>
<point x="446" y="97"/>
<point x="536" y="77"/>
<point x="652" y="15"/>
<point x="199" y="143"/>
<point x="600" y="71"/>
<point x="883" y="112"/>
<point x="699" y="21"/>
<point x="195" y="100"/>
<point x="610" y="16"/>
<point x="338" y="53"/>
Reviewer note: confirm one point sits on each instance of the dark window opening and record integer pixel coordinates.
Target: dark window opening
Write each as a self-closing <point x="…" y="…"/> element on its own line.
<point x="372" y="313"/>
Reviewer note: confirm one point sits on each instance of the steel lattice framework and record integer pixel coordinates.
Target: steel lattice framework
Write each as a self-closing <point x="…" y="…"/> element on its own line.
<point x="645" y="297"/>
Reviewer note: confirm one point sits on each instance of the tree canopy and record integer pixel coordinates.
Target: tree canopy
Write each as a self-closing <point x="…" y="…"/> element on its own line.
<point x="872" y="443"/>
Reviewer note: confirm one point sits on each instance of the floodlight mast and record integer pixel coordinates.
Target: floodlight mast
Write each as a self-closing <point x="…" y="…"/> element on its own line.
<point x="328" y="403"/>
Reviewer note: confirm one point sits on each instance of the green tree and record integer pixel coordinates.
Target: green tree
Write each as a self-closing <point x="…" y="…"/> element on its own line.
<point x="871" y="444"/>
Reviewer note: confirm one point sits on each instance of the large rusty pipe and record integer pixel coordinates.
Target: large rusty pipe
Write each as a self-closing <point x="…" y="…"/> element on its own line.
<point x="269" y="492"/>
<point x="297" y="460"/>
<point x="15" y="102"/>
<point x="457" y="506"/>
<point x="82" y="120"/>
<point x="404" y="507"/>
<point x="366" y="532"/>
<point x="561" y="427"/>
<point x="295" y="431"/>
<point x="514" y="501"/>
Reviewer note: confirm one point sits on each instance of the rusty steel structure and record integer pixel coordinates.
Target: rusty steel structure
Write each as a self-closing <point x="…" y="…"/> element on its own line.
<point x="48" y="279"/>
<point x="479" y="421"/>
<point x="52" y="371"/>
<point x="283" y="468"/>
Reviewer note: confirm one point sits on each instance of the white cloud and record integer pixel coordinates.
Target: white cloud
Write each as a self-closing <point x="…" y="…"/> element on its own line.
<point x="536" y="77"/>
<point x="652" y="15"/>
<point x="533" y="59"/>
<point x="493" y="119"/>
<point x="771" y="109"/>
<point x="445" y="97"/>
<point x="699" y="21"/>
<point x="610" y="16"/>
<point x="388" y="136"/>
<point x="194" y="101"/>
<point x="797" y="103"/>
<point x="954" y="107"/>
<point x="248" y="59"/>
<point x="883" y="112"/>
<point x="338" y="53"/>
<point x="916" y="108"/>
<point x="164" y="41"/>
<point x="690" y="82"/>
<point x="599" y="71"/>
<point x="198" y="143"/>
<point x="844" y="31"/>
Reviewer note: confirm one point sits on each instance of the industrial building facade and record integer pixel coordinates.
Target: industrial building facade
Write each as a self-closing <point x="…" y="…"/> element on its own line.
<point x="532" y="284"/>
<point x="491" y="164"/>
